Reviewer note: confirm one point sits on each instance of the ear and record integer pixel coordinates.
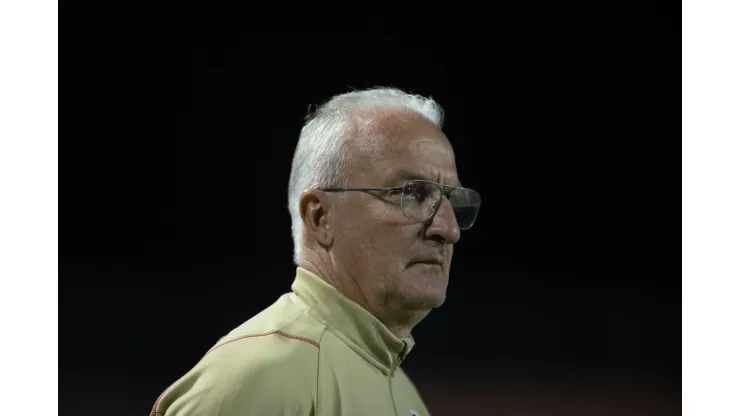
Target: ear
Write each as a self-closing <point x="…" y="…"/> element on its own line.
<point x="315" y="207"/>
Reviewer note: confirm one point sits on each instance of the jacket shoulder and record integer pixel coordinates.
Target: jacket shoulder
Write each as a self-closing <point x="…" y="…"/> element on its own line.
<point x="268" y="365"/>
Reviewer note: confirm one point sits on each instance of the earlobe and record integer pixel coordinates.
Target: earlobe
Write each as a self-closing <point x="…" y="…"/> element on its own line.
<point x="314" y="209"/>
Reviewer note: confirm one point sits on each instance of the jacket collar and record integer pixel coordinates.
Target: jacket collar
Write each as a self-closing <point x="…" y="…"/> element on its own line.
<point x="353" y="324"/>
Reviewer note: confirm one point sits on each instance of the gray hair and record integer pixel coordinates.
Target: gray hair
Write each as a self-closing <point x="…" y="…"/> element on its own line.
<point x="323" y="148"/>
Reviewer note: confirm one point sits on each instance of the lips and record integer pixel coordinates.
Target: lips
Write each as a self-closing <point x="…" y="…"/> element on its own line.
<point x="434" y="262"/>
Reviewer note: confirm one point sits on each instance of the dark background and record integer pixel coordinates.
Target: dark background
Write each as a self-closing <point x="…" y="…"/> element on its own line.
<point x="178" y="130"/>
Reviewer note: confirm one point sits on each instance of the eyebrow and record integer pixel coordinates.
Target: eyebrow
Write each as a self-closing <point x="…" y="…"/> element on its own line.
<point x="405" y="175"/>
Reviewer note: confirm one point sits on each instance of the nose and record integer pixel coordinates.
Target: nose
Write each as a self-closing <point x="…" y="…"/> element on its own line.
<point x="444" y="224"/>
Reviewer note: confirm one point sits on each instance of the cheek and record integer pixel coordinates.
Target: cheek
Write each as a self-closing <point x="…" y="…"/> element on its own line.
<point x="381" y="237"/>
<point x="383" y="246"/>
<point x="374" y="231"/>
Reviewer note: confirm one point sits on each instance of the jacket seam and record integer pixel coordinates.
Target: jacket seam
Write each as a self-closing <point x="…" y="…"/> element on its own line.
<point x="318" y="370"/>
<point x="154" y="411"/>
<point x="262" y="334"/>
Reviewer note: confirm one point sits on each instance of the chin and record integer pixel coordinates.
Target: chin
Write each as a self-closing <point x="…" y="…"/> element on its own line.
<point x="426" y="301"/>
<point x="427" y="290"/>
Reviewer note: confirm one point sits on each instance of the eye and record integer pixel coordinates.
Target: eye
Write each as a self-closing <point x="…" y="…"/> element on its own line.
<point x="418" y="191"/>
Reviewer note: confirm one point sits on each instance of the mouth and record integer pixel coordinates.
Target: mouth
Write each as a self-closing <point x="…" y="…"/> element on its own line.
<point x="429" y="262"/>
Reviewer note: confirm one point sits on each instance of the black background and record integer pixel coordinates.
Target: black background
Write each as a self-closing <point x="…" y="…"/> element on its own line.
<point x="178" y="128"/>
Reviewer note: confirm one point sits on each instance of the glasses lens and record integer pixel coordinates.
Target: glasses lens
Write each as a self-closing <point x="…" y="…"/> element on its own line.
<point x="420" y="199"/>
<point x="465" y="203"/>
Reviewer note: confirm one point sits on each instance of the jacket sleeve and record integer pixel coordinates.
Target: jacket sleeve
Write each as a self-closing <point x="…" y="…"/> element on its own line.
<point x="272" y="380"/>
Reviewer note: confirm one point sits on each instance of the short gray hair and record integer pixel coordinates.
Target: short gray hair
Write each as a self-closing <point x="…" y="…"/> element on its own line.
<point x="323" y="147"/>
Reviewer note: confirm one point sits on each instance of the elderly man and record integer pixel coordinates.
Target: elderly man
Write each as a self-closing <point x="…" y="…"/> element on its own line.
<point x="376" y="206"/>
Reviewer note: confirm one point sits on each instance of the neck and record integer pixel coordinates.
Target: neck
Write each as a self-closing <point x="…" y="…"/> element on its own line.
<point x="399" y="322"/>
<point x="402" y="327"/>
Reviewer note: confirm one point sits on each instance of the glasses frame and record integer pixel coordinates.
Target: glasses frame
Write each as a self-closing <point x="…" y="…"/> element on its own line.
<point x="446" y="192"/>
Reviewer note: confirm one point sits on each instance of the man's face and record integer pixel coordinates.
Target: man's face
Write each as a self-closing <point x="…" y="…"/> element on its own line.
<point x="396" y="262"/>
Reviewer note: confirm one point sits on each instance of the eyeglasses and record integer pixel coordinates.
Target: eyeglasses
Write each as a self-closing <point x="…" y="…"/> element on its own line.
<point x="421" y="199"/>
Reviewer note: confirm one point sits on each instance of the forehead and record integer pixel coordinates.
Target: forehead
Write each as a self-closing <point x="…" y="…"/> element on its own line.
<point x="408" y="146"/>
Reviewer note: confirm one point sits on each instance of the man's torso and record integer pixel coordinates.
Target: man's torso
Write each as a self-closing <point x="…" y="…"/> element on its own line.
<point x="287" y="361"/>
